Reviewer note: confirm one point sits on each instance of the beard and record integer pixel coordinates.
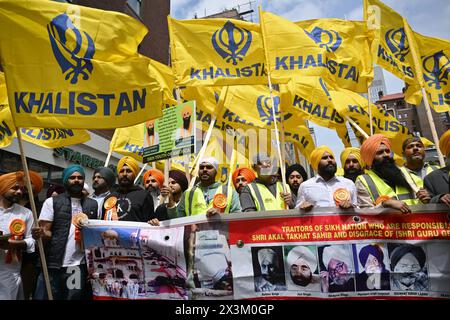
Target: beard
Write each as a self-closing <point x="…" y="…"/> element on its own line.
<point x="155" y="192"/>
<point x="186" y="123"/>
<point x="75" y="188"/>
<point x="352" y="174"/>
<point x="12" y="198"/>
<point x="388" y="171"/>
<point x="151" y="131"/>
<point x="301" y="280"/>
<point x="125" y="182"/>
<point x="328" y="170"/>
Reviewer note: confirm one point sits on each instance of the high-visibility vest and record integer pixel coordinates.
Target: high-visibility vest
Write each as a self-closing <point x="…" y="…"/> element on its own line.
<point x="377" y="187"/>
<point x="195" y="202"/>
<point x="264" y="199"/>
<point x="415" y="178"/>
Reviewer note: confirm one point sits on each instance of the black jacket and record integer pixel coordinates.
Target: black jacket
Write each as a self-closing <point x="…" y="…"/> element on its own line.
<point x="437" y="183"/>
<point x="62" y="219"/>
<point x="135" y="205"/>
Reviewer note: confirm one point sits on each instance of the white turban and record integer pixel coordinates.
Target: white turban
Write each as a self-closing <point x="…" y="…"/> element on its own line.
<point x="212" y="265"/>
<point x="212" y="161"/>
<point x="336" y="252"/>
<point x="267" y="254"/>
<point x="302" y="252"/>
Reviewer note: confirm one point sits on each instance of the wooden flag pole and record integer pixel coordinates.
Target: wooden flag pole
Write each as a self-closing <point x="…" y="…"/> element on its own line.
<point x="433" y="127"/>
<point x="35" y="216"/>
<point x="108" y="158"/>
<point x="357" y="127"/>
<point x="370" y="110"/>
<point x="140" y="172"/>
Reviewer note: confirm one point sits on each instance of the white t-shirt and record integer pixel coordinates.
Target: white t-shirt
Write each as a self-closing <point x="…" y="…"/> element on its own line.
<point x="74" y="255"/>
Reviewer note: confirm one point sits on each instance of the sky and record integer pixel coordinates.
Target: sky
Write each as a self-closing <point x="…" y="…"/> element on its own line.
<point x="428" y="17"/>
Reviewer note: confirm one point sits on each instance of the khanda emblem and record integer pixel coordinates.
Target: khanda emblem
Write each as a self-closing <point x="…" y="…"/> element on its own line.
<point x="437" y="67"/>
<point x="398" y="43"/>
<point x="231" y="42"/>
<point x="72" y="49"/>
<point x="328" y="39"/>
<point x="265" y="111"/>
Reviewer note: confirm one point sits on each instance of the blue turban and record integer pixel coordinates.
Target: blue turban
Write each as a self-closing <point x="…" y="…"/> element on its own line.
<point x="70" y="170"/>
<point x="375" y="251"/>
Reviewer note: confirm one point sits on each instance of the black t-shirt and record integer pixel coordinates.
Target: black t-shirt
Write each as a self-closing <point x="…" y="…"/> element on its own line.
<point x="135" y="205"/>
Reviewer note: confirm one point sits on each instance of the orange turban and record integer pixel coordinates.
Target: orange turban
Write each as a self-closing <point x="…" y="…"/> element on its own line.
<point x="317" y="155"/>
<point x="130" y="162"/>
<point x="248" y="174"/>
<point x="155" y="173"/>
<point x="370" y="146"/>
<point x="352" y="151"/>
<point x="9" y="180"/>
<point x="36" y="181"/>
<point x="444" y="143"/>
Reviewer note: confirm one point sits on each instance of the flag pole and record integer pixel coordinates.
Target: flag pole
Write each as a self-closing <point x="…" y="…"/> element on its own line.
<point x="108" y="157"/>
<point x="357" y="127"/>
<point x="140" y="172"/>
<point x="35" y="217"/>
<point x="369" y="100"/>
<point x="433" y="127"/>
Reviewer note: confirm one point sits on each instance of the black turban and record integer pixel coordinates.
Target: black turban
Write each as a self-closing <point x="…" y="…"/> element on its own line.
<point x="296" y="167"/>
<point x="107" y="174"/>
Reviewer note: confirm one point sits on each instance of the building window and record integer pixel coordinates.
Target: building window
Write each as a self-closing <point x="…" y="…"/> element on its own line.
<point x="136" y="6"/>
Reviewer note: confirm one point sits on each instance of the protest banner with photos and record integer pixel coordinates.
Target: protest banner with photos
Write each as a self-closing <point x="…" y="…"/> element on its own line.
<point x="375" y="254"/>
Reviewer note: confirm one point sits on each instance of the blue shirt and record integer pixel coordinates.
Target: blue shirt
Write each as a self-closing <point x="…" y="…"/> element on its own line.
<point x="319" y="192"/>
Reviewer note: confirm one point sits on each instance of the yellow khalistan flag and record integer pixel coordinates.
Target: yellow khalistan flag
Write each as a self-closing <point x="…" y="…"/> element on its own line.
<point x="129" y="141"/>
<point x="433" y="69"/>
<point x="390" y="48"/>
<point x="47" y="138"/>
<point x="290" y="51"/>
<point x="69" y="66"/>
<point x="207" y="52"/>
<point x="348" y="46"/>
<point x="354" y="106"/>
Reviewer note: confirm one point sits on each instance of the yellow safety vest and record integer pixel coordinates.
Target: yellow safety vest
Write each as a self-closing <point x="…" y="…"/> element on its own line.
<point x="195" y="202"/>
<point x="415" y="178"/>
<point x="264" y="199"/>
<point x="377" y="187"/>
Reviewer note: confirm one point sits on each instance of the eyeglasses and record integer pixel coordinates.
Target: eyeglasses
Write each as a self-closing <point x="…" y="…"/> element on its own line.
<point x="337" y="269"/>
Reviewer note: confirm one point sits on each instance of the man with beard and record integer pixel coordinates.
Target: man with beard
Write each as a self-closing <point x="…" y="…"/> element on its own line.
<point x="102" y="182"/>
<point x="295" y="176"/>
<point x="408" y="265"/>
<point x="302" y="264"/>
<point x="271" y="271"/>
<point x="320" y="190"/>
<point x="241" y="177"/>
<point x="374" y="276"/>
<point x="130" y="202"/>
<point x="438" y="182"/>
<point x="152" y="137"/>
<point x="200" y="199"/>
<point x="153" y="181"/>
<point x="415" y="168"/>
<point x="265" y="193"/>
<point x="178" y="184"/>
<point x="338" y="275"/>
<point x="11" y="191"/>
<point x="186" y="129"/>
<point x="64" y="253"/>
<point x="384" y="184"/>
<point x="352" y="163"/>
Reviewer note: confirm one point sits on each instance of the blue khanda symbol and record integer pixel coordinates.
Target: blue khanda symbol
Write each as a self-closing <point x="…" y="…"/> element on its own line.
<point x="265" y="111"/>
<point x="67" y="45"/>
<point x="437" y="67"/>
<point x="398" y="43"/>
<point x="231" y="42"/>
<point x="328" y="39"/>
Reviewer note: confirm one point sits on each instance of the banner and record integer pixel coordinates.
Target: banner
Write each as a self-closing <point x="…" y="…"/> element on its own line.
<point x="390" y="48"/>
<point x="348" y="45"/>
<point x="87" y="73"/>
<point x="433" y="58"/>
<point x="219" y="52"/>
<point x="172" y="135"/>
<point x="273" y="255"/>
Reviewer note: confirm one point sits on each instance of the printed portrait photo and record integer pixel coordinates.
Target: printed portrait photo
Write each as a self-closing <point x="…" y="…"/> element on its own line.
<point x="302" y="272"/>
<point x="371" y="266"/>
<point x="268" y="269"/>
<point x="336" y="268"/>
